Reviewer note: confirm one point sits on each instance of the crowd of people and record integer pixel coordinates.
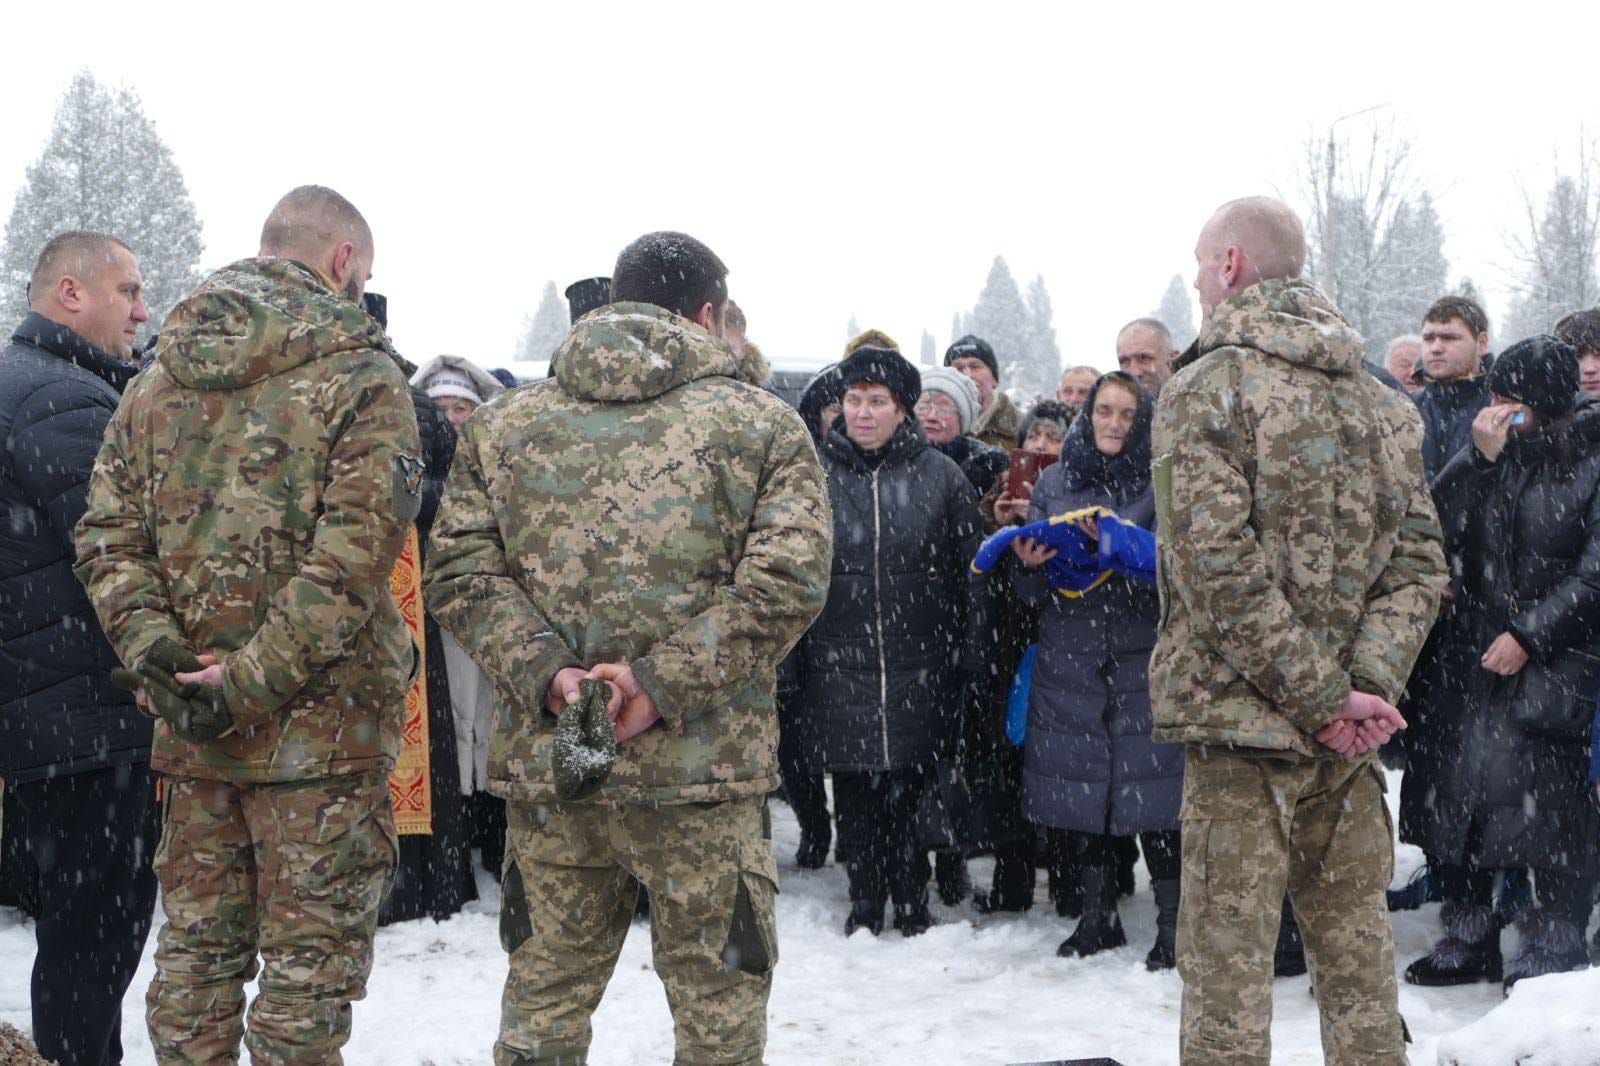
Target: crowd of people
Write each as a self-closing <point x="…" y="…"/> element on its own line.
<point x="295" y="626"/>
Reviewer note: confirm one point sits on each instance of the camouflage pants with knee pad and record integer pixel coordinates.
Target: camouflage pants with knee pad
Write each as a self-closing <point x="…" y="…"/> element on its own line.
<point x="293" y="872"/>
<point x="568" y="900"/>
<point x="1255" y="824"/>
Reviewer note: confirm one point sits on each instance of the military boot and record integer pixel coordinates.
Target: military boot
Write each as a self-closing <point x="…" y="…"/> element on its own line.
<point x="865" y="914"/>
<point x="1549" y="944"/>
<point x="1469" y="952"/>
<point x="1100" y="928"/>
<point x="1163" y="956"/>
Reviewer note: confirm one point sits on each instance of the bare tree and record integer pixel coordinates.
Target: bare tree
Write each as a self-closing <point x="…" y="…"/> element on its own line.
<point x="1556" y="255"/>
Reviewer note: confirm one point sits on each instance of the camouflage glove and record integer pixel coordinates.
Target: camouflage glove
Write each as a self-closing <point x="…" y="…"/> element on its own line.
<point x="586" y="743"/>
<point x="196" y="712"/>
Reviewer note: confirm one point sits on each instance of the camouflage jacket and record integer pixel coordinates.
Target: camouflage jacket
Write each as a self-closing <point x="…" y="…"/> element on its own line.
<point x="252" y="493"/>
<point x="647" y="508"/>
<point x="1298" y="549"/>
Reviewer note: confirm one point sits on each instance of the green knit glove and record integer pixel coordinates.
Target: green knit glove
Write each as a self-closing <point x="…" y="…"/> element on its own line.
<point x="586" y="743"/>
<point x="196" y="712"/>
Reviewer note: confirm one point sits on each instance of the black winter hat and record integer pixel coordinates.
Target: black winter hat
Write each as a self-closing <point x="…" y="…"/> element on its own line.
<point x="584" y="296"/>
<point x="883" y="366"/>
<point x="1540" y="372"/>
<point x="970" y="347"/>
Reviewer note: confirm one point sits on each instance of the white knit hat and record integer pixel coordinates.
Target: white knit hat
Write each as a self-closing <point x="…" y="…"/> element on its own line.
<point x="448" y="381"/>
<point x="958" y="387"/>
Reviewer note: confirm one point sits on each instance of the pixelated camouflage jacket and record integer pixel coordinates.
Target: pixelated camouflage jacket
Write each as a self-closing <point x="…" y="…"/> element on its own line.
<point x="253" y="491"/>
<point x="1298" y="549"/>
<point x="645" y="507"/>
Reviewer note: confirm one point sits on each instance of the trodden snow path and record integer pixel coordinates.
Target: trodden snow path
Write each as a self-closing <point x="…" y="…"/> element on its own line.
<point x="972" y="990"/>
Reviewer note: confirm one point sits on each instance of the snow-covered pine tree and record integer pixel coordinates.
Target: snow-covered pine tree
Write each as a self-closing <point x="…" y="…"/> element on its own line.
<point x="1177" y="312"/>
<point x="104" y="169"/>
<point x="852" y="328"/>
<point x="548" y="327"/>
<point x="1411" y="272"/>
<point x="1002" y="318"/>
<point x="1556" y="258"/>
<point x="929" y="354"/>
<point x="1044" y="354"/>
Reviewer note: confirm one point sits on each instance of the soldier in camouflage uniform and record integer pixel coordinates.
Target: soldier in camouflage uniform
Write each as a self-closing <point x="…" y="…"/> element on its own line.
<point x="651" y="520"/>
<point x="253" y="491"/>
<point x="1300" y="568"/>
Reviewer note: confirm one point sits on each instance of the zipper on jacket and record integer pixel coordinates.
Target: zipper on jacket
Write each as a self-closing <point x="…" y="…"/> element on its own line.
<point x="877" y="614"/>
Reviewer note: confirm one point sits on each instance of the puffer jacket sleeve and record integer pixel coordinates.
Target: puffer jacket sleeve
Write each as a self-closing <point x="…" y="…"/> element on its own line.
<point x="1404" y="600"/>
<point x="1569" y="614"/>
<point x="472" y="593"/>
<point x="116" y="553"/>
<point x="779" y="586"/>
<point x="318" y="614"/>
<point x="1219" y="569"/>
<point x="54" y="441"/>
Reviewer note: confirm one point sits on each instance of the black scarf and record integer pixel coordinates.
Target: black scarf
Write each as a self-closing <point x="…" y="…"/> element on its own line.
<point x="1125" y="475"/>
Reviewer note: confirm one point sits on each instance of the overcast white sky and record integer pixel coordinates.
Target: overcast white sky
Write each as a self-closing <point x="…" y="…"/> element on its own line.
<point x="841" y="158"/>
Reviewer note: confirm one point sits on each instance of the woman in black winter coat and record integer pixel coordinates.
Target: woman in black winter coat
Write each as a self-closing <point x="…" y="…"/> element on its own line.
<point x="1089" y="766"/>
<point x="884" y="668"/>
<point x="1499" y="742"/>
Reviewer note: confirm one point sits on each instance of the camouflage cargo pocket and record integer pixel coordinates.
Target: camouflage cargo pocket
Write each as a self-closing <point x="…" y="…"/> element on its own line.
<point x="752" y="945"/>
<point x="336" y="847"/>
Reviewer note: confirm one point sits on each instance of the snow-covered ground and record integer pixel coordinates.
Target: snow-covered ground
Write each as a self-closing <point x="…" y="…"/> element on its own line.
<point x="972" y="990"/>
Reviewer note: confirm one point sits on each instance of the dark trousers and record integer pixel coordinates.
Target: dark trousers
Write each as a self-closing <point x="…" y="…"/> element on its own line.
<point x="1563" y="894"/>
<point x="877" y="828"/>
<point x="1163" y="853"/>
<point x="91" y="837"/>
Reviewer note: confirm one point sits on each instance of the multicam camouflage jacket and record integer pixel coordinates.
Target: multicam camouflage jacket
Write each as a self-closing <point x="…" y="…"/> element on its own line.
<point x="252" y="493"/>
<point x="1299" y="554"/>
<point x="643" y="508"/>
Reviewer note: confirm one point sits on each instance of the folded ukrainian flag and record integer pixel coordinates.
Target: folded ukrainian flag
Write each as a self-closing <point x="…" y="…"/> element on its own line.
<point x="1081" y="563"/>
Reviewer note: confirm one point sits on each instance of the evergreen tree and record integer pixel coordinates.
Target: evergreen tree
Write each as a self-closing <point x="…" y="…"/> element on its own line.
<point x="929" y="355"/>
<point x="1410" y="273"/>
<point x="1002" y="318"/>
<point x="548" y="327"/>
<point x="1557" y="257"/>
<point x="960" y="326"/>
<point x="1177" y="312"/>
<point x="852" y="328"/>
<point x="104" y="169"/>
<point x="1044" y="354"/>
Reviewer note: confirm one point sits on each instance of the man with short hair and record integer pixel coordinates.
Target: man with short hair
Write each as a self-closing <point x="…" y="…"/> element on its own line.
<point x="244" y="517"/>
<point x="1402" y="358"/>
<point x="74" y="750"/>
<point x="1299" y="568"/>
<point x="1145" y="350"/>
<point x="998" y="418"/>
<point x="1581" y="329"/>
<point x="1455" y="347"/>
<point x="1075" y="385"/>
<point x="653" y="522"/>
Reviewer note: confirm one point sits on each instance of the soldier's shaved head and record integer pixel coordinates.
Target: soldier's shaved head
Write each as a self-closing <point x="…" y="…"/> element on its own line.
<point x="316" y="226"/>
<point x="1253" y="239"/>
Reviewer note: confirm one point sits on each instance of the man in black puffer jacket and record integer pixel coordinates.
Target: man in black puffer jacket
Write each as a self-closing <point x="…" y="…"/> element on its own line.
<point x="74" y="749"/>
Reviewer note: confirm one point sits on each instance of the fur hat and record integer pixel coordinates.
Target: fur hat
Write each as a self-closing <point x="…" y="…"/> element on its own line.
<point x="958" y="387"/>
<point x="451" y="375"/>
<point x="886" y="367"/>
<point x="870" y="338"/>
<point x="971" y="347"/>
<point x="1541" y="372"/>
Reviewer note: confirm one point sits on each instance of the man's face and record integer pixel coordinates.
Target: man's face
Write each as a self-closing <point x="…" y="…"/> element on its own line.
<point x="1210" y="259"/>
<point x="1403" y="364"/>
<point x="1450" y="350"/>
<point x="940" y="421"/>
<point x="1141" y="354"/>
<point x="455" y="408"/>
<point x="871" y="415"/>
<point x="1589" y="372"/>
<point x="981" y="376"/>
<point x="358" y="271"/>
<point x="1074" y="388"/>
<point x="111" y="304"/>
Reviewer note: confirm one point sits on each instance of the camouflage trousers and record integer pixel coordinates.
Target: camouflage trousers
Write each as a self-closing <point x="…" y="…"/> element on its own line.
<point x="568" y="900"/>
<point x="293" y="872"/>
<point x="1253" y="825"/>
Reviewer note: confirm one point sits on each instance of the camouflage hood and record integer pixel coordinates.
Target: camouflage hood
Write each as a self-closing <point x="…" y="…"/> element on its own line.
<point x="627" y="352"/>
<point x="258" y="318"/>
<point x="1291" y="320"/>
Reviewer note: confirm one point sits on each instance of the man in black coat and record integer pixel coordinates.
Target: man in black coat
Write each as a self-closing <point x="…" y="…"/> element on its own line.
<point x="1455" y="345"/>
<point x="74" y="750"/>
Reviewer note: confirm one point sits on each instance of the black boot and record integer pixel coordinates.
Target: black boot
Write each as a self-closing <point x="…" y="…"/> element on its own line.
<point x="1289" y="956"/>
<point x="1100" y="928"/>
<point x="912" y="919"/>
<point x="812" y="854"/>
<point x="1012" y="888"/>
<point x="1127" y="856"/>
<point x="1163" y="956"/>
<point x="1469" y="952"/>
<point x="865" y="914"/>
<point x="950" y="873"/>
<point x="1550" y="944"/>
<point x="1066" y="876"/>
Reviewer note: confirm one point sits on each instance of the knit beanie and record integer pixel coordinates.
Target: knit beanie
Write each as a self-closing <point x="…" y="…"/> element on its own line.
<point x="958" y="387"/>
<point x="971" y="347"/>
<point x="448" y="381"/>
<point x="1540" y="372"/>
<point x="883" y="366"/>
